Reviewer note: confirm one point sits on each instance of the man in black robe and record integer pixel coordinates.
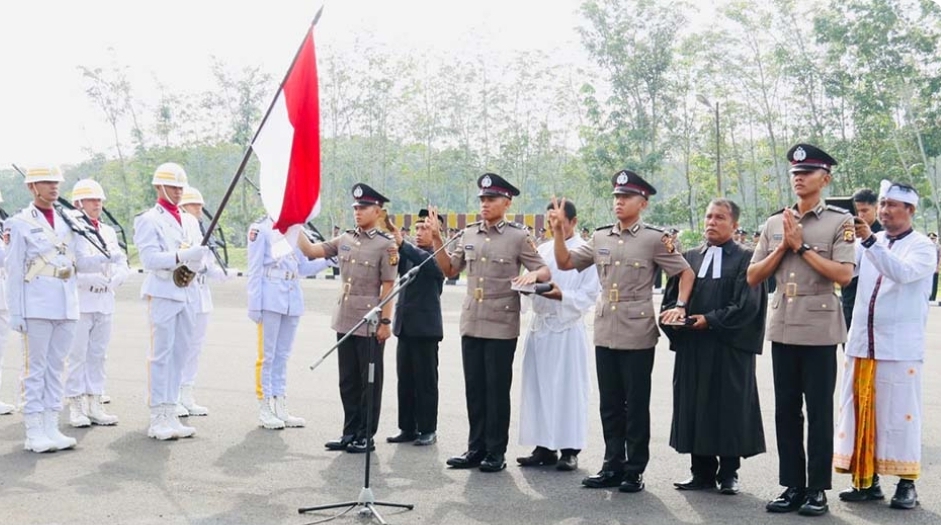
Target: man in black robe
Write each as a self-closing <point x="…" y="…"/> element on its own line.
<point x="716" y="414"/>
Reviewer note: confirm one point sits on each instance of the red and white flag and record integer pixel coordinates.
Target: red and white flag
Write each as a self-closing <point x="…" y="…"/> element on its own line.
<point x="288" y="145"/>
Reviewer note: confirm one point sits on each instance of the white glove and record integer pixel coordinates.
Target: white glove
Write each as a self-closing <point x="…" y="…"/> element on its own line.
<point x="194" y="254"/>
<point x="100" y="259"/>
<point x="98" y="281"/>
<point x="118" y="256"/>
<point x="18" y="324"/>
<point x="254" y="315"/>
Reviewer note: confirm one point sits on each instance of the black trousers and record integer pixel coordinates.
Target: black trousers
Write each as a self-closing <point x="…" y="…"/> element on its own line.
<point x="718" y="468"/>
<point x="624" y="387"/>
<point x="804" y="373"/>
<point x="416" y="363"/>
<point x="353" y="359"/>
<point x="488" y="374"/>
<point x="934" y="287"/>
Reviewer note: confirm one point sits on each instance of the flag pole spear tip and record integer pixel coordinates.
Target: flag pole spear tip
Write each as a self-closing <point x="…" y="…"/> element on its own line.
<point x="317" y="16"/>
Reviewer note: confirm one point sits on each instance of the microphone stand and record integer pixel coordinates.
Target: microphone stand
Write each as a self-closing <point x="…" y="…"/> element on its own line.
<point x="366" y="499"/>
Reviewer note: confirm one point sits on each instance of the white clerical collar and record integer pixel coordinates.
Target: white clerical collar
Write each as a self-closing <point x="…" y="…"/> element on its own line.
<point x="714" y="256"/>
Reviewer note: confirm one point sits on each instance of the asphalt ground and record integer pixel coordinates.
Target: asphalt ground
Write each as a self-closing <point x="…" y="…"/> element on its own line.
<point x="233" y="472"/>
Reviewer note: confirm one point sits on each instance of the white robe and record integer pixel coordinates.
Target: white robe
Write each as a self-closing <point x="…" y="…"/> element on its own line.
<point x="554" y="408"/>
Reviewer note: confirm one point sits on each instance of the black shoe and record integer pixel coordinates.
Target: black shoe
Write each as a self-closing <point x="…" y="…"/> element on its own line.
<point x="426" y="438"/>
<point x="358" y="446"/>
<point x="567" y="463"/>
<point x="493" y="463"/>
<point x="339" y="444"/>
<point x="469" y="459"/>
<point x="632" y="483"/>
<point x="855" y="495"/>
<point x="540" y="456"/>
<point x="603" y="479"/>
<point x="729" y="486"/>
<point x="789" y="501"/>
<point x="905" y="496"/>
<point x="696" y="483"/>
<point x="402" y="437"/>
<point x="815" y="504"/>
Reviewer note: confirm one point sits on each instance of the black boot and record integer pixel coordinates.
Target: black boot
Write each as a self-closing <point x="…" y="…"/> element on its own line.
<point x="905" y="497"/>
<point x="789" y="501"/>
<point x="540" y="456"/>
<point x="855" y="495"/>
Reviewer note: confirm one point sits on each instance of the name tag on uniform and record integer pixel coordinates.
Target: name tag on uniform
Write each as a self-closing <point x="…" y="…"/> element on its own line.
<point x="603" y="251"/>
<point x="36" y="230"/>
<point x="345" y="248"/>
<point x="777" y="236"/>
<point x="469" y="247"/>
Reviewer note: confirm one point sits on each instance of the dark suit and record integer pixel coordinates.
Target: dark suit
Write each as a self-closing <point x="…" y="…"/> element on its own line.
<point x="419" y="329"/>
<point x="848" y="292"/>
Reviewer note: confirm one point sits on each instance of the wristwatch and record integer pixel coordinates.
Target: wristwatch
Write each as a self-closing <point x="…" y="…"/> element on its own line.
<point x="804" y="247"/>
<point x="385" y="320"/>
<point x="680" y="304"/>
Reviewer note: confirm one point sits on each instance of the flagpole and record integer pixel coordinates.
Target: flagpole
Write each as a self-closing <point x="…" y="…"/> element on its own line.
<point x="248" y="149"/>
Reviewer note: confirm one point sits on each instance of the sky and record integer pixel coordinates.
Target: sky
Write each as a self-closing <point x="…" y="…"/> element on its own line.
<point x="46" y="117"/>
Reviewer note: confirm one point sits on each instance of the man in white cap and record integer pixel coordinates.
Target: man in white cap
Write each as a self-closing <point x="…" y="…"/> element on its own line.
<point x="41" y="290"/>
<point x="85" y="378"/>
<point x="171" y="255"/>
<point x="275" y="305"/>
<point x="192" y="203"/>
<point x="5" y="408"/>
<point x="879" y="428"/>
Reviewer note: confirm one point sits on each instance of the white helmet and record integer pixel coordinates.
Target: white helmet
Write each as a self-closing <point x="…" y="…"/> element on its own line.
<point x="87" y="189"/>
<point x="169" y="174"/>
<point x="191" y="196"/>
<point x="43" y="173"/>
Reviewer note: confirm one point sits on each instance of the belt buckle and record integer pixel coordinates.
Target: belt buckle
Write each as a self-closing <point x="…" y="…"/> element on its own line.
<point x="63" y="272"/>
<point x="613" y="295"/>
<point x="790" y="289"/>
<point x="346" y="288"/>
<point x="479" y="294"/>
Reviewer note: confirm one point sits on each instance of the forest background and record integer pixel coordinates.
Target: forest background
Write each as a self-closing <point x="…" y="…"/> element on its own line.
<point x="698" y="109"/>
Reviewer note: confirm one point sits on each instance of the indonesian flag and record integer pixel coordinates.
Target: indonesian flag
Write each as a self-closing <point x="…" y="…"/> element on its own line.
<point x="288" y="145"/>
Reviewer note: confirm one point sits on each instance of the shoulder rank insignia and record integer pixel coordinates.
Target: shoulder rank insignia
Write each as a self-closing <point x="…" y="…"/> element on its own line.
<point x="473" y="224"/>
<point x="778" y="212"/>
<point x="605" y="227"/>
<point x="516" y="225"/>
<point x="384" y="234"/>
<point x="838" y="209"/>
<point x="654" y="228"/>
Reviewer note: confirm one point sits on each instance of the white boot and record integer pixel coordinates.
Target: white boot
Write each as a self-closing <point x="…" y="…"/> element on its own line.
<point x="50" y="419"/>
<point x="189" y="402"/>
<point x="96" y="412"/>
<point x="6" y="408"/>
<point x="105" y="399"/>
<point x="36" y="439"/>
<point x="281" y="412"/>
<point x="266" y="417"/>
<point x="180" y="411"/>
<point x="181" y="430"/>
<point x="78" y="412"/>
<point x="160" y="428"/>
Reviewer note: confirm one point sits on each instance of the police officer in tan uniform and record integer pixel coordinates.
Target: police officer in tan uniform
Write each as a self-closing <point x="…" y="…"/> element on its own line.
<point x="492" y="251"/>
<point x="368" y="260"/>
<point x="626" y="255"/>
<point x="806" y="248"/>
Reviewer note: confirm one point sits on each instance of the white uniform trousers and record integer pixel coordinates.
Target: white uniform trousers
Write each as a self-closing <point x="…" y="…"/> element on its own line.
<point x="171" y="327"/>
<point x="191" y="363"/>
<point x="4" y="338"/>
<point x="275" y="340"/>
<point x="86" y="363"/>
<point x="46" y="344"/>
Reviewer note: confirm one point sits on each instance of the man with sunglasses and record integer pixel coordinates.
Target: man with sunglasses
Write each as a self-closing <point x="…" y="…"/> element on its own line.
<point x="806" y="247"/>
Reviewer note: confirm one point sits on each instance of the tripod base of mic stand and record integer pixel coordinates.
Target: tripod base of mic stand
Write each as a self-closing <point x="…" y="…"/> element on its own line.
<point x="366" y="500"/>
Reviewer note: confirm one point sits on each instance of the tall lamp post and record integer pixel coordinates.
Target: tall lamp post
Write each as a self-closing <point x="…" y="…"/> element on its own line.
<point x="705" y="101"/>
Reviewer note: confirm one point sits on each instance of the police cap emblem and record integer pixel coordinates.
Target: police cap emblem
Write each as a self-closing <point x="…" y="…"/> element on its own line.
<point x="358" y="192"/>
<point x="486" y="182"/>
<point x="622" y="178"/>
<point x="800" y="154"/>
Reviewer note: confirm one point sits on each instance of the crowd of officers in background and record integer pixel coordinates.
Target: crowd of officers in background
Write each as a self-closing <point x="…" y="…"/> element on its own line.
<point x="62" y="268"/>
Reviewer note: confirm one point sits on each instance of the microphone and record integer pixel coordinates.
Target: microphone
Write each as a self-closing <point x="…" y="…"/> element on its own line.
<point x="542" y="288"/>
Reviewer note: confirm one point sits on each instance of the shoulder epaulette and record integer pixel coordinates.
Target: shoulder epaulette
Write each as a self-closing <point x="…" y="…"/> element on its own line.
<point x="478" y="223"/>
<point x="141" y="213"/>
<point x="837" y="209"/>
<point x="516" y="225"/>
<point x="605" y="227"/>
<point x="384" y="234"/>
<point x="779" y="211"/>
<point x="351" y="230"/>
<point x="651" y="227"/>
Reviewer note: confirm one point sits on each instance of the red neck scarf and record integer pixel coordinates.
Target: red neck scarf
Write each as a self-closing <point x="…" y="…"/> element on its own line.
<point x="172" y="209"/>
<point x="49" y="214"/>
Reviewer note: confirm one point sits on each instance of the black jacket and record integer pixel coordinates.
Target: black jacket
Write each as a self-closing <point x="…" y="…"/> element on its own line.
<point x="418" y="309"/>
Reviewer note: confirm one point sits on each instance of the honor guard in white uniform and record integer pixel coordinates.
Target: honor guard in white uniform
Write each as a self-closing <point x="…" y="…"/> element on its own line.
<point x="5" y="408"/>
<point x="192" y="203"/>
<point x="85" y="377"/>
<point x="168" y="243"/>
<point x="275" y="304"/>
<point x="43" y="300"/>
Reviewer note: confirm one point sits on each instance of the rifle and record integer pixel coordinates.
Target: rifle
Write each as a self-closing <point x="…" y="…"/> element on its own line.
<point x="216" y="243"/>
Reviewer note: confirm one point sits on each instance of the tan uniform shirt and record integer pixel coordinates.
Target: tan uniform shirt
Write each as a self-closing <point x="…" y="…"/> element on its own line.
<point x="626" y="261"/>
<point x="366" y="258"/>
<point x="805" y="309"/>
<point x="493" y="257"/>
